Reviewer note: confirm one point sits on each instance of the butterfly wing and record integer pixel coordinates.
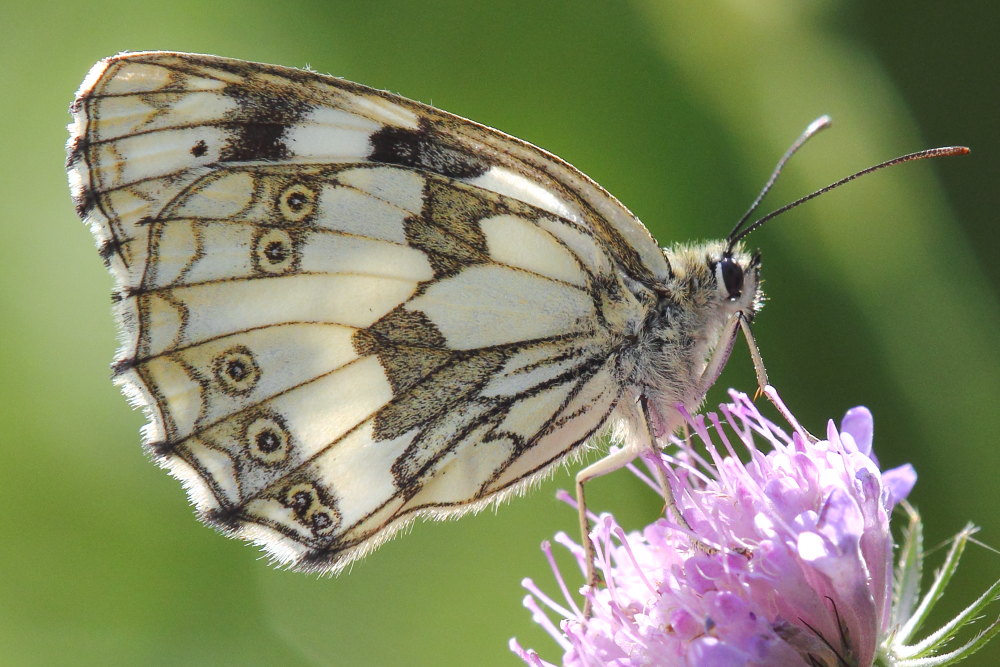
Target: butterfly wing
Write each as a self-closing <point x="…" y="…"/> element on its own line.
<point x="341" y="308"/>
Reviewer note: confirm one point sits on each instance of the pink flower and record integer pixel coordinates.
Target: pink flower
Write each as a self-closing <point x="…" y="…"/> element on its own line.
<point x="790" y="564"/>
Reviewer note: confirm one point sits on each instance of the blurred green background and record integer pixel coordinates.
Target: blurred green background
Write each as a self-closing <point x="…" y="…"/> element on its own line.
<point x="883" y="294"/>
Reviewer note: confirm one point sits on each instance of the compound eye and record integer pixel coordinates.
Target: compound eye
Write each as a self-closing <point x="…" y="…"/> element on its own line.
<point x="729" y="275"/>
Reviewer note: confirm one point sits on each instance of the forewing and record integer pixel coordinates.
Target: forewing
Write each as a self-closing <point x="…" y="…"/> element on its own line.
<point x="157" y="116"/>
<point x="335" y="311"/>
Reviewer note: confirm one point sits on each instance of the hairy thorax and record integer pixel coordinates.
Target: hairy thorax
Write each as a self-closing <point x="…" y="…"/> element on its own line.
<point x="689" y="317"/>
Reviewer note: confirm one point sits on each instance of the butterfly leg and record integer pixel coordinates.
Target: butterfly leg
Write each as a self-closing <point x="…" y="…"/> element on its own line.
<point x="623" y="457"/>
<point x="670" y="503"/>
<point x="762" y="382"/>
<point x="725" y="348"/>
<point x="758" y="362"/>
<point x="608" y="464"/>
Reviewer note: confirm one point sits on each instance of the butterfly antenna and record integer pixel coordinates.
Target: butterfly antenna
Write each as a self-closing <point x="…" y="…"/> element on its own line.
<point x="735" y="237"/>
<point x="820" y="123"/>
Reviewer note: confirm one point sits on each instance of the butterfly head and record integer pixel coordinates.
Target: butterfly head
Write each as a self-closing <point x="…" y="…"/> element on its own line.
<point x="713" y="281"/>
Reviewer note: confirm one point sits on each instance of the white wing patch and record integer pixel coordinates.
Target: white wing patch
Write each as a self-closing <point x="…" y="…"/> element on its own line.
<point x="332" y="135"/>
<point x="342" y="309"/>
<point x="355" y="211"/>
<point x="402" y="188"/>
<point x="521" y="243"/>
<point x="505" y="182"/>
<point x="475" y="308"/>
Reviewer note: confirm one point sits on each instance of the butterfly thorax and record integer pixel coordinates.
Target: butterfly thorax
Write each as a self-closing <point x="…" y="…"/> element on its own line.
<point x="685" y="323"/>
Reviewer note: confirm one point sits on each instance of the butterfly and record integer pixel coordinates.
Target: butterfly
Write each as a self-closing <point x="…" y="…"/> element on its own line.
<point x="341" y="309"/>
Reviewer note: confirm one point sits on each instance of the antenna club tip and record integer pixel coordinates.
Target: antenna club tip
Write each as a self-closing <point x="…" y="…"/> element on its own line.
<point x="946" y="151"/>
<point x="820" y="123"/>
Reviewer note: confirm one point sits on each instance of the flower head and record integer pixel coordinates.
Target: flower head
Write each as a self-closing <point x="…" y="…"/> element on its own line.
<point x="790" y="561"/>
